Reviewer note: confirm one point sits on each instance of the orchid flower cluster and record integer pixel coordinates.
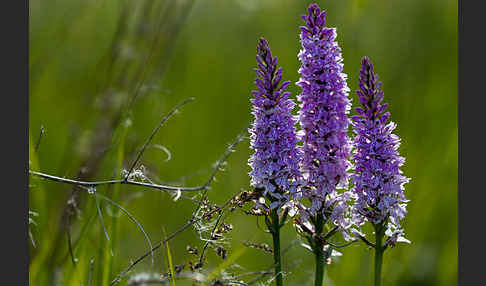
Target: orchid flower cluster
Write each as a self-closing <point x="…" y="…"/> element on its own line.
<point x="378" y="180"/>
<point x="275" y="163"/>
<point x="327" y="180"/>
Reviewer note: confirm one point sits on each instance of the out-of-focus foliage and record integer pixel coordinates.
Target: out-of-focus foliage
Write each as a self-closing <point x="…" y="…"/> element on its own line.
<point x="90" y="59"/>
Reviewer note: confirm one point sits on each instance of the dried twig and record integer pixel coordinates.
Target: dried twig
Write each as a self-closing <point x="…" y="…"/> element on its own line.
<point x="122" y="182"/>
<point x="164" y="119"/>
<point x="39" y="139"/>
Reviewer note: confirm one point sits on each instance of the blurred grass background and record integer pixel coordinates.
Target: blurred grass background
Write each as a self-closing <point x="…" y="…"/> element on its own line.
<point x="103" y="73"/>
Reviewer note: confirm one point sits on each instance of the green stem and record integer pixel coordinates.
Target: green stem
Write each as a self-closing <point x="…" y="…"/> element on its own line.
<point x="319" y="252"/>
<point x="379" y="232"/>
<point x="275" y="230"/>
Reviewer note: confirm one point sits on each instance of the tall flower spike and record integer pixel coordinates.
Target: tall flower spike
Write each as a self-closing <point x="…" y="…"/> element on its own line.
<point x="273" y="136"/>
<point x="323" y="117"/>
<point x="378" y="180"/>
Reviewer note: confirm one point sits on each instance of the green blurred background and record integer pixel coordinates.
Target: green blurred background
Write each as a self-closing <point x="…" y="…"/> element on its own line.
<point x="103" y="73"/>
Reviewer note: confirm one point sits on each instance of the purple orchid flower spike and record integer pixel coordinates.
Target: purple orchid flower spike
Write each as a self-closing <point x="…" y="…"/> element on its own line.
<point x="275" y="161"/>
<point x="378" y="180"/>
<point x="323" y="116"/>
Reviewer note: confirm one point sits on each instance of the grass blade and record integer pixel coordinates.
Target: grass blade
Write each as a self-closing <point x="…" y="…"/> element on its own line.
<point x="171" y="265"/>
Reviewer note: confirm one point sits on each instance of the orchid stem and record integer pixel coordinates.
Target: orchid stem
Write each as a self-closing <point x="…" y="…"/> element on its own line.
<point x="379" y="249"/>
<point x="319" y="252"/>
<point x="275" y="230"/>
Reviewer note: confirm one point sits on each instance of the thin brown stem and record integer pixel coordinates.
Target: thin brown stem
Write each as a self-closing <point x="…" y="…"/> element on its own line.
<point x="164" y="119"/>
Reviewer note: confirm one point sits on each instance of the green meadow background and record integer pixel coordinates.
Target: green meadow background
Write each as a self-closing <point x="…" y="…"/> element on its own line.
<point x="103" y="73"/>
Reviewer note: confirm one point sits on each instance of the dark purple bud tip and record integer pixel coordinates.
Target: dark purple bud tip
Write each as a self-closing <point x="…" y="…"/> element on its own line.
<point x="264" y="55"/>
<point x="370" y="95"/>
<point x="316" y="17"/>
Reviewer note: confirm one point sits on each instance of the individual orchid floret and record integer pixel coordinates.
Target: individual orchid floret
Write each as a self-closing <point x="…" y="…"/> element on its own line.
<point x="275" y="161"/>
<point x="378" y="180"/>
